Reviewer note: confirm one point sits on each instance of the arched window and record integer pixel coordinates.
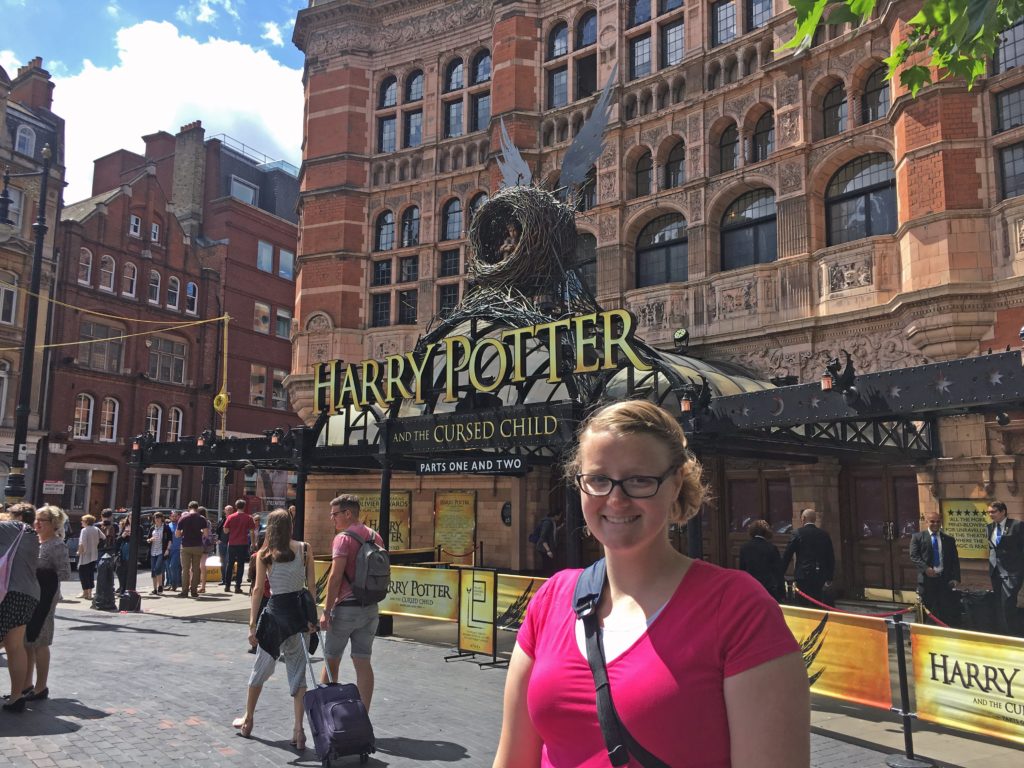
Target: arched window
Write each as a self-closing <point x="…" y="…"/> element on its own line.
<point x="82" y="429"/>
<point x="108" y="268"/>
<point x="453" y="75"/>
<point x="154" y="286"/>
<point x="476" y="204"/>
<point x="558" y="40"/>
<point x="586" y="30"/>
<point x="451" y="220"/>
<point x="675" y="166"/>
<point x="728" y="149"/>
<point x="586" y="261"/>
<point x="191" y="298"/>
<point x="748" y="230"/>
<point x="175" y="418"/>
<point x="875" y="101"/>
<point x="414" y="86"/>
<point x="154" y="418"/>
<point x="173" y="292"/>
<point x="763" y="143"/>
<point x="482" y="67"/>
<point x="410" y="226"/>
<point x="25" y="140"/>
<point x="84" y="267"/>
<point x="661" y="252"/>
<point x="637" y="12"/>
<point x="388" y="92"/>
<point x="385" y="232"/>
<point x="108" y="419"/>
<point x="586" y="195"/>
<point x="860" y="200"/>
<point x="642" y="175"/>
<point x="833" y="111"/>
<point x="128" y="279"/>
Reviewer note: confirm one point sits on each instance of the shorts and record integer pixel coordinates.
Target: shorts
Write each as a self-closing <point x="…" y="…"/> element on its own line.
<point x="358" y="622"/>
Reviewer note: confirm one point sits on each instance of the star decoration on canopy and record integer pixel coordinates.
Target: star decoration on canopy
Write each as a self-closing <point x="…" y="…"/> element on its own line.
<point x="995" y="378"/>
<point x="942" y="384"/>
<point x="815" y="401"/>
<point x="894" y="391"/>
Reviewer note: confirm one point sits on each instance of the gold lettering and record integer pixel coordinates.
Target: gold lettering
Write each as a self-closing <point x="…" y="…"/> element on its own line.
<point x="417" y="370"/>
<point x="371" y="372"/>
<point x="324" y="377"/>
<point x="552" y="329"/>
<point x="583" y="341"/>
<point x="349" y="394"/>
<point x="550" y="425"/>
<point x="622" y="341"/>
<point x="518" y="351"/>
<point x="501" y="353"/>
<point x="393" y="371"/>
<point x="450" y="365"/>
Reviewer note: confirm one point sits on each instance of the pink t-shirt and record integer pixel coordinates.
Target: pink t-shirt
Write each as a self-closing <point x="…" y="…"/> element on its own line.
<point x="667" y="686"/>
<point x="346" y="546"/>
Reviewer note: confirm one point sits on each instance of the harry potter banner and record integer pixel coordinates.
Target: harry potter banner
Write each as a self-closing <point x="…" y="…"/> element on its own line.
<point x="429" y="593"/>
<point x="969" y="680"/>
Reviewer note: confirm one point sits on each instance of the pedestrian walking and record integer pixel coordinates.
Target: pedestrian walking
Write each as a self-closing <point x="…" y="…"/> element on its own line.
<point x="18" y="542"/>
<point x="159" y="541"/>
<point x="88" y="555"/>
<point x="761" y="559"/>
<point x="241" y="532"/>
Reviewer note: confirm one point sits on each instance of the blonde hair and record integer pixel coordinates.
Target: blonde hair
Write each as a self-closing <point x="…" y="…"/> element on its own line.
<point x="88" y="519"/>
<point x="642" y="417"/>
<point x="57" y="516"/>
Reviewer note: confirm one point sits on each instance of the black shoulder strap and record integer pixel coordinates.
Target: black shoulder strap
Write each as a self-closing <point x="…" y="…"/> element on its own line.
<point x="619" y="742"/>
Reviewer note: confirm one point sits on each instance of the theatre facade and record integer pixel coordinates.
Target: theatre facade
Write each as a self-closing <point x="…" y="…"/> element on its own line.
<point x="754" y="224"/>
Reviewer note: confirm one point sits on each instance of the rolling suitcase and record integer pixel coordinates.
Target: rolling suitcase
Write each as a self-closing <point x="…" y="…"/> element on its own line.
<point x="337" y="719"/>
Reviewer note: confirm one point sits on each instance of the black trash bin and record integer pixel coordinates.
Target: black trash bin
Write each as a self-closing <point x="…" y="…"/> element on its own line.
<point x="103" y="596"/>
<point x="979" y="606"/>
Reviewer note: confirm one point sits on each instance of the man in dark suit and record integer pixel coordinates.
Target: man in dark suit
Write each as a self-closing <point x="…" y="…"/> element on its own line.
<point x="1005" y="565"/>
<point x="815" y="558"/>
<point x="761" y="559"/>
<point x="935" y="555"/>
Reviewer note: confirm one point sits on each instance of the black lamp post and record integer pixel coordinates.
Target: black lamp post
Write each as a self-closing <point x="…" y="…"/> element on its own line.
<point x="15" y="490"/>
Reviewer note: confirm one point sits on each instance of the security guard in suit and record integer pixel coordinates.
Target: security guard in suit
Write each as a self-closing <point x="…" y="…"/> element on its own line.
<point x="1005" y="565"/>
<point x="815" y="558"/>
<point x="937" y="560"/>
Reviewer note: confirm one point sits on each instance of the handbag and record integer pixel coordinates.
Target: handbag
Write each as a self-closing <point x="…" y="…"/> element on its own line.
<point x="6" y="560"/>
<point x="617" y="739"/>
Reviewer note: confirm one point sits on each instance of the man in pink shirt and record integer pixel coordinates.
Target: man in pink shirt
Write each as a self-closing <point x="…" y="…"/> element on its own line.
<point x="241" y="530"/>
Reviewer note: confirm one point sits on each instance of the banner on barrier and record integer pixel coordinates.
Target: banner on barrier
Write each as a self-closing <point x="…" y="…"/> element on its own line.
<point x="428" y="593"/>
<point x="847" y="656"/>
<point x="477" y="604"/>
<point x="514" y="594"/>
<point x="969" y="680"/>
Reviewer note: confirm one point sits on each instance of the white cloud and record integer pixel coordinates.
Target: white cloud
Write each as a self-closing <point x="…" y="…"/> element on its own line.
<point x="272" y="33"/>
<point x="10" y="62"/>
<point x="164" y="80"/>
<point x="113" y="10"/>
<point x="205" y="11"/>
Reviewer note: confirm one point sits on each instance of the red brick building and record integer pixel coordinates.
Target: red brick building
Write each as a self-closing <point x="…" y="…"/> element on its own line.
<point x="779" y="206"/>
<point x="171" y="240"/>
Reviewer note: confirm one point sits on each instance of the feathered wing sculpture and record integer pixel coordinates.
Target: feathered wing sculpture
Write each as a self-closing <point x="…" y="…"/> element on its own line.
<point x="589" y="142"/>
<point x="514" y="170"/>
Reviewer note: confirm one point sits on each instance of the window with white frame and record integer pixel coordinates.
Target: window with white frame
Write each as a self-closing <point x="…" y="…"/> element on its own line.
<point x="168" y="490"/>
<point x="15" y="206"/>
<point x="154" y="287"/>
<point x="76" y="488"/>
<point x="243" y="190"/>
<point x="265" y="256"/>
<point x="108" y="268"/>
<point x="8" y="296"/>
<point x="167" y="360"/>
<point x="129" y="277"/>
<point x="84" y="267"/>
<point x="154" y="233"/>
<point x="191" y="298"/>
<point x="278" y="394"/>
<point x="173" y="292"/>
<point x="257" y="384"/>
<point x="25" y="141"/>
<point x="108" y="420"/>
<point x="82" y="429"/>
<point x="154" y="418"/>
<point x="101" y="347"/>
<point x="286" y="264"/>
<point x="134" y="226"/>
<point x="284" y="324"/>
<point x="175" y="418"/>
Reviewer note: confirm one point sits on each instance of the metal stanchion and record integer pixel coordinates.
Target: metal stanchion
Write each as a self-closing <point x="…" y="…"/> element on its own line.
<point x="907" y="760"/>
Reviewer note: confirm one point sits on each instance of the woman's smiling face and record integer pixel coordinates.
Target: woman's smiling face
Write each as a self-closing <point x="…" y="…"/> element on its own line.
<point x="616" y="520"/>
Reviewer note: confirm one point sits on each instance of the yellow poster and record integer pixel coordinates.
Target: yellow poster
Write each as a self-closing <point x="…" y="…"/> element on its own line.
<point x="477" y="593"/>
<point x="455" y="526"/>
<point x="514" y="594"/>
<point x="429" y="593"/>
<point x="847" y="657"/>
<point x="401" y="516"/>
<point x="969" y="680"/>
<point x="965" y="521"/>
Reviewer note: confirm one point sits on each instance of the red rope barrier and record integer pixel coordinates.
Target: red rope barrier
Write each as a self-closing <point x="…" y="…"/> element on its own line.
<point x="851" y="613"/>
<point x="453" y="554"/>
<point x="935" y="618"/>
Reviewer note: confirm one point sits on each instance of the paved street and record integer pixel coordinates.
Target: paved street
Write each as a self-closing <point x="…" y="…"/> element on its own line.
<point x="163" y="689"/>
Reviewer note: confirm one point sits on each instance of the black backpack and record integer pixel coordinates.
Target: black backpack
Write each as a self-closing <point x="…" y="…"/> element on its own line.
<point x="373" y="571"/>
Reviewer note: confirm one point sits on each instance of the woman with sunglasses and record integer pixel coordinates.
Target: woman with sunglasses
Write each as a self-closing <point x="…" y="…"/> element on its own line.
<point x="700" y="661"/>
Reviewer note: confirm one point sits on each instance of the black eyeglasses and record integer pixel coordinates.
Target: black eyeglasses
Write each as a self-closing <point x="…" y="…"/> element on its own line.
<point x="636" y="487"/>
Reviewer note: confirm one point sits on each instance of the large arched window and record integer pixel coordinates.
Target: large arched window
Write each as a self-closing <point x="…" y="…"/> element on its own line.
<point x="729" y="149"/>
<point x="191" y="298"/>
<point x="108" y="268"/>
<point x="25" y="140"/>
<point x="414" y="86"/>
<point x="586" y="30"/>
<point x="154" y="418"/>
<point x="860" y="200"/>
<point x="384" y="238"/>
<point x="675" y="166"/>
<point x="558" y="40"/>
<point x="763" y="142"/>
<point x="476" y="204"/>
<point x="388" y="92"/>
<point x="661" y="252"/>
<point x="748" y="230"/>
<point x="108" y="419"/>
<point x="451" y="220"/>
<point x="833" y="111"/>
<point x="173" y="292"/>
<point x="129" y="277"/>
<point x="410" y="226"/>
<point x="482" y="67"/>
<point x="82" y="429"/>
<point x="175" y="418"/>
<point x="643" y="174"/>
<point x="875" y="101"/>
<point x="84" y="267"/>
<point x="453" y="76"/>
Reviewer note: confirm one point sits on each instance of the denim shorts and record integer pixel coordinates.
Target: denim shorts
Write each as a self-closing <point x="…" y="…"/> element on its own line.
<point x="358" y="622"/>
<point x="156" y="565"/>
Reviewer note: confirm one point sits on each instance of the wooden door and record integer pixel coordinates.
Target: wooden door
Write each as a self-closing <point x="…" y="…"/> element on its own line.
<point x="884" y="514"/>
<point x="99" y="492"/>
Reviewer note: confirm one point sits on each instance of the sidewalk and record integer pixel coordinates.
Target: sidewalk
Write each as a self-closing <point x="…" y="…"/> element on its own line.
<point x="162" y="687"/>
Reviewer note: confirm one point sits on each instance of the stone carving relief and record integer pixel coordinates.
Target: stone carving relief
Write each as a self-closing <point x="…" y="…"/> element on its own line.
<point x="738" y="106"/>
<point x="713" y="113"/>
<point x="767" y="94"/>
<point x="789" y="127"/>
<point x="694" y="129"/>
<point x="606" y="187"/>
<point x="629" y="141"/>
<point x="650" y="315"/>
<point x="462" y="187"/>
<point x="787" y="91"/>
<point x="652" y="136"/>
<point x="851" y="274"/>
<point x="1020" y="234"/>
<point x="696" y="207"/>
<point x="791" y="177"/>
<point x="608" y="158"/>
<point x="607" y="228"/>
<point x="318" y="322"/>
<point x="318" y="351"/>
<point x="733" y="301"/>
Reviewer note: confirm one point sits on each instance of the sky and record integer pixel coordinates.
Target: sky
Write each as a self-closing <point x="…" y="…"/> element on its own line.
<point x="127" y="68"/>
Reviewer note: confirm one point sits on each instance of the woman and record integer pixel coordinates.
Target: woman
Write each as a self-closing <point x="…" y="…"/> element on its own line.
<point x="88" y="555"/>
<point x="53" y="568"/>
<point x="20" y="601"/>
<point x="284" y="624"/>
<point x="173" y="568"/>
<point x="696" y="654"/>
<point x="124" y="552"/>
<point x="159" y="549"/>
<point x="762" y="560"/>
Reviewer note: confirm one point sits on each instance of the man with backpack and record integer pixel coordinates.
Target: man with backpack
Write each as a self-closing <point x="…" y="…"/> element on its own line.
<point x="358" y="580"/>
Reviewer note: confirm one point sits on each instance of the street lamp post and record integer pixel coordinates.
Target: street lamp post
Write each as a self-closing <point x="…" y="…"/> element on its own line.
<point x="15" y="489"/>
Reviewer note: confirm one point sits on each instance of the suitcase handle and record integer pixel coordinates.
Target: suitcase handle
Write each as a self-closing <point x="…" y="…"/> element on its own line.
<point x="309" y="661"/>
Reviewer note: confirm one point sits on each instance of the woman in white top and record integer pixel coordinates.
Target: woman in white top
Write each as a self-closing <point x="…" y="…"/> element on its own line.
<point x="88" y="555"/>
